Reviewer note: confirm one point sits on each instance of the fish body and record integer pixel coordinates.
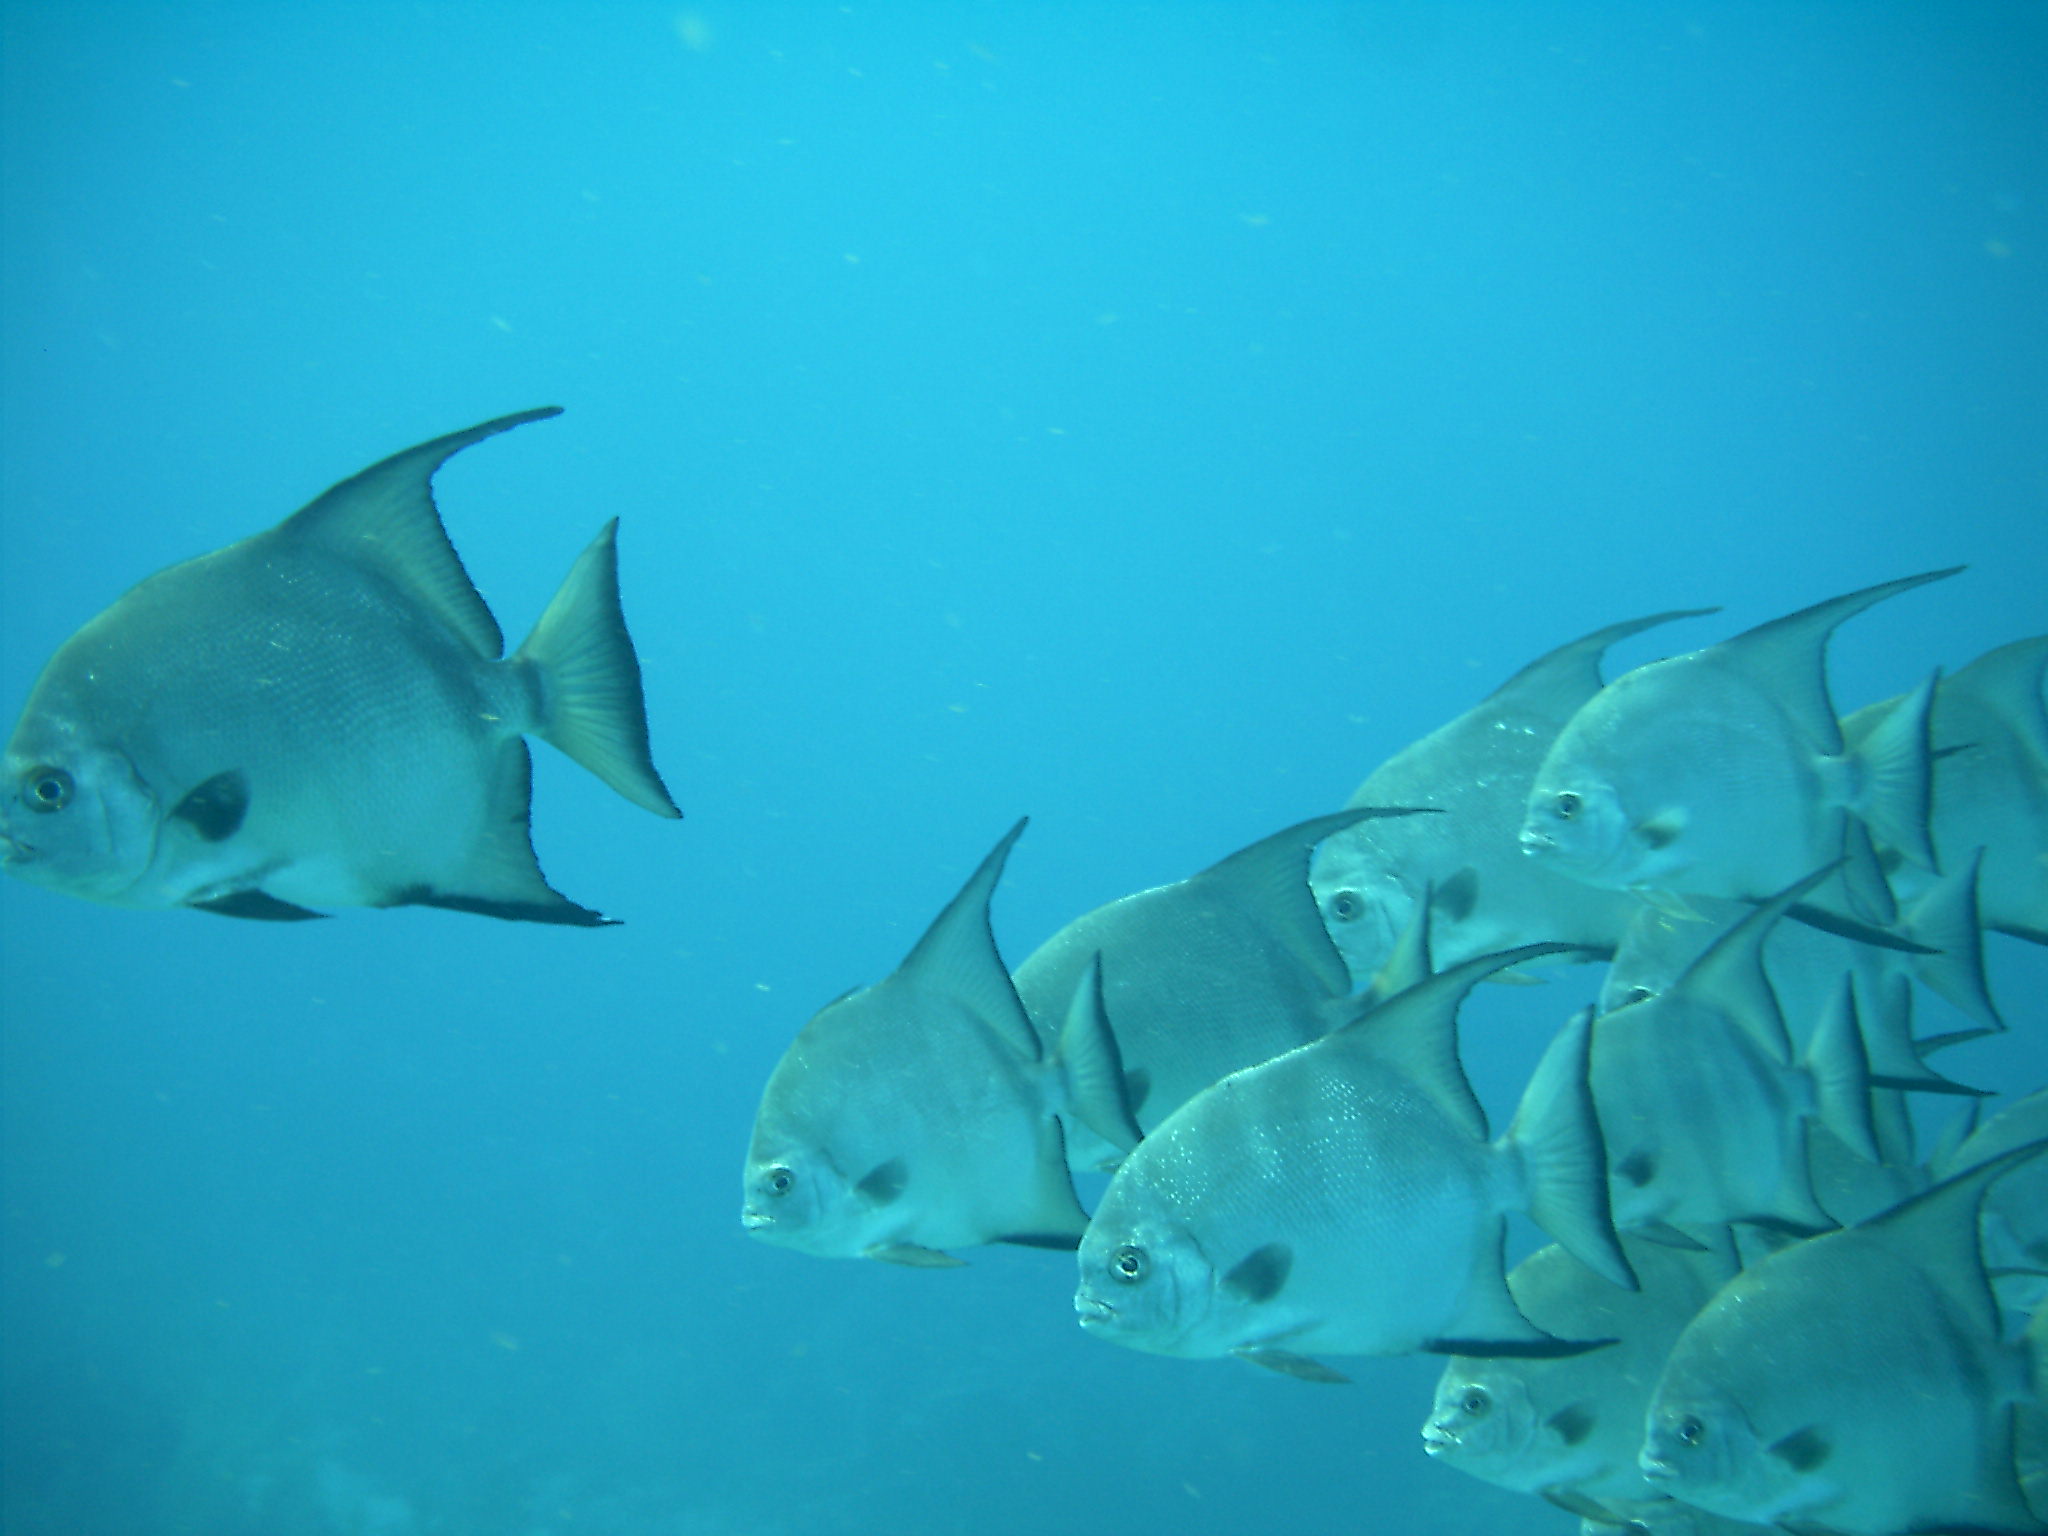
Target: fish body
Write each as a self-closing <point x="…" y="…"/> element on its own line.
<point x="2013" y="1224"/>
<point x="1723" y="773"/>
<point x="1856" y="1382"/>
<point x="1569" y="1427"/>
<point x="318" y="716"/>
<point x="1222" y="970"/>
<point x="1344" y="1199"/>
<point x="1486" y="895"/>
<point x="921" y="1114"/>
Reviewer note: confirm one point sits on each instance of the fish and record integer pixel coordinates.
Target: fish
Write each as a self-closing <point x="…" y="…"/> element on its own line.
<point x="1989" y="730"/>
<point x="1222" y="970"/>
<point x="319" y="716"/>
<point x="1936" y="940"/>
<point x="1344" y="1199"/>
<point x="1702" y="1104"/>
<point x="1857" y="1382"/>
<point x="1487" y="895"/>
<point x="922" y="1114"/>
<point x="1569" y="1427"/>
<point x="1723" y="772"/>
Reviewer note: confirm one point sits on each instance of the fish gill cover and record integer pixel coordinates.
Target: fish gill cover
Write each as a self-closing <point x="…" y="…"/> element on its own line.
<point x="1148" y="419"/>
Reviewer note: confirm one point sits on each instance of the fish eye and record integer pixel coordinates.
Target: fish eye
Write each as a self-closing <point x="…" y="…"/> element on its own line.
<point x="1128" y="1264"/>
<point x="1345" y="906"/>
<point x="1475" y="1404"/>
<point x="1566" y="805"/>
<point x="780" y="1180"/>
<point x="49" y="789"/>
<point x="1691" y="1431"/>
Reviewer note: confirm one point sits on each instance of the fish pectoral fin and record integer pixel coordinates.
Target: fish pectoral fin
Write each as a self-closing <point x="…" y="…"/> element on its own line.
<point x="1574" y="1422"/>
<point x="1287" y="1363"/>
<point x="216" y="808"/>
<point x="500" y="877"/>
<point x="258" y="905"/>
<point x="884" y="1183"/>
<point x="913" y="1256"/>
<point x="1260" y="1274"/>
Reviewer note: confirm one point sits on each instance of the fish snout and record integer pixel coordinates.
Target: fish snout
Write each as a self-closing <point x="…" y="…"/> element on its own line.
<point x="1655" y="1467"/>
<point x="1439" y="1436"/>
<point x="1093" y="1310"/>
<point x="755" y="1221"/>
<point x="1536" y="842"/>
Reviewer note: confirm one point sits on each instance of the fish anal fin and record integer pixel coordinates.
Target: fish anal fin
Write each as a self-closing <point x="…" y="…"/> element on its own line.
<point x="1584" y="1505"/>
<point x="215" y="809"/>
<point x="258" y="905"/>
<point x="1287" y="1363"/>
<point x="501" y="877"/>
<point x="1514" y="1349"/>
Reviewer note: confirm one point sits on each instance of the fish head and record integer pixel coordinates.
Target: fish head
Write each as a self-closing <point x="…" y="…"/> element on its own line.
<point x="75" y="814"/>
<point x="1366" y="911"/>
<point x="1483" y="1420"/>
<point x="1584" y="822"/>
<point x="1145" y="1282"/>
<point x="1700" y="1447"/>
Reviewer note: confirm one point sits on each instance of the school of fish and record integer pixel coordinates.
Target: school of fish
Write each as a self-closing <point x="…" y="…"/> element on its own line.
<point x="1764" y="1306"/>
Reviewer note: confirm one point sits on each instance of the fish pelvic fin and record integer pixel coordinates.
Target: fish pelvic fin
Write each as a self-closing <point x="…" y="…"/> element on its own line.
<point x="1557" y="1136"/>
<point x="585" y="678"/>
<point x="385" y="518"/>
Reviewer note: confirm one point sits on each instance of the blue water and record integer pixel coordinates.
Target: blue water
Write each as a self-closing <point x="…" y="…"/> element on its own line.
<point x="1146" y="417"/>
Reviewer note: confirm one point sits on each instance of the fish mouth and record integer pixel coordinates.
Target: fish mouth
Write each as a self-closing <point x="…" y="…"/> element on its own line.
<point x="755" y="1221"/>
<point x="1438" y="1438"/>
<point x="14" y="851"/>
<point x="1656" y="1469"/>
<point x="1537" y="843"/>
<point x="1093" y="1312"/>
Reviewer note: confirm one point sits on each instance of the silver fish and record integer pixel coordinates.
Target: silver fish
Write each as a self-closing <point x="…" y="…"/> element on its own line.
<point x="1486" y="895"/>
<point x="1704" y="1108"/>
<point x="1724" y="773"/>
<point x="1222" y="970"/>
<point x="1857" y="1382"/>
<point x="921" y="1114"/>
<point x="318" y="717"/>
<point x="2014" y="1222"/>
<point x="1569" y="1427"/>
<point x="1344" y="1198"/>
<point x="1989" y="728"/>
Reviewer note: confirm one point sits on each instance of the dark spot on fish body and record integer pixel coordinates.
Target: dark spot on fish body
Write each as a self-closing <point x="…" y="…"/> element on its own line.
<point x="216" y="809"/>
<point x="1260" y="1274"/>
<point x="1657" y="832"/>
<point x="1802" y="1450"/>
<point x="882" y="1184"/>
<point x="1573" y="1423"/>
<point x="1638" y="1168"/>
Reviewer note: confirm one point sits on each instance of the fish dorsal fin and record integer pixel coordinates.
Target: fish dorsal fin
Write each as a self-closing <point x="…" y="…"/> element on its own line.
<point x="1092" y="1066"/>
<point x="1787" y="657"/>
<point x="1554" y="686"/>
<point x="1937" y="1230"/>
<point x="1416" y="1032"/>
<point x="958" y="956"/>
<point x="1834" y="1059"/>
<point x="1270" y="879"/>
<point x="1731" y="971"/>
<point x="385" y="518"/>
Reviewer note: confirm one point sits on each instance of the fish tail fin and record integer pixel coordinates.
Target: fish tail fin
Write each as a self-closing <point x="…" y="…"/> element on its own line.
<point x="587" y="678"/>
<point x="1840" y="1071"/>
<point x="1558" y="1135"/>
<point x="1897" y="777"/>
<point x="1945" y="919"/>
<point x="1091" y="1068"/>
